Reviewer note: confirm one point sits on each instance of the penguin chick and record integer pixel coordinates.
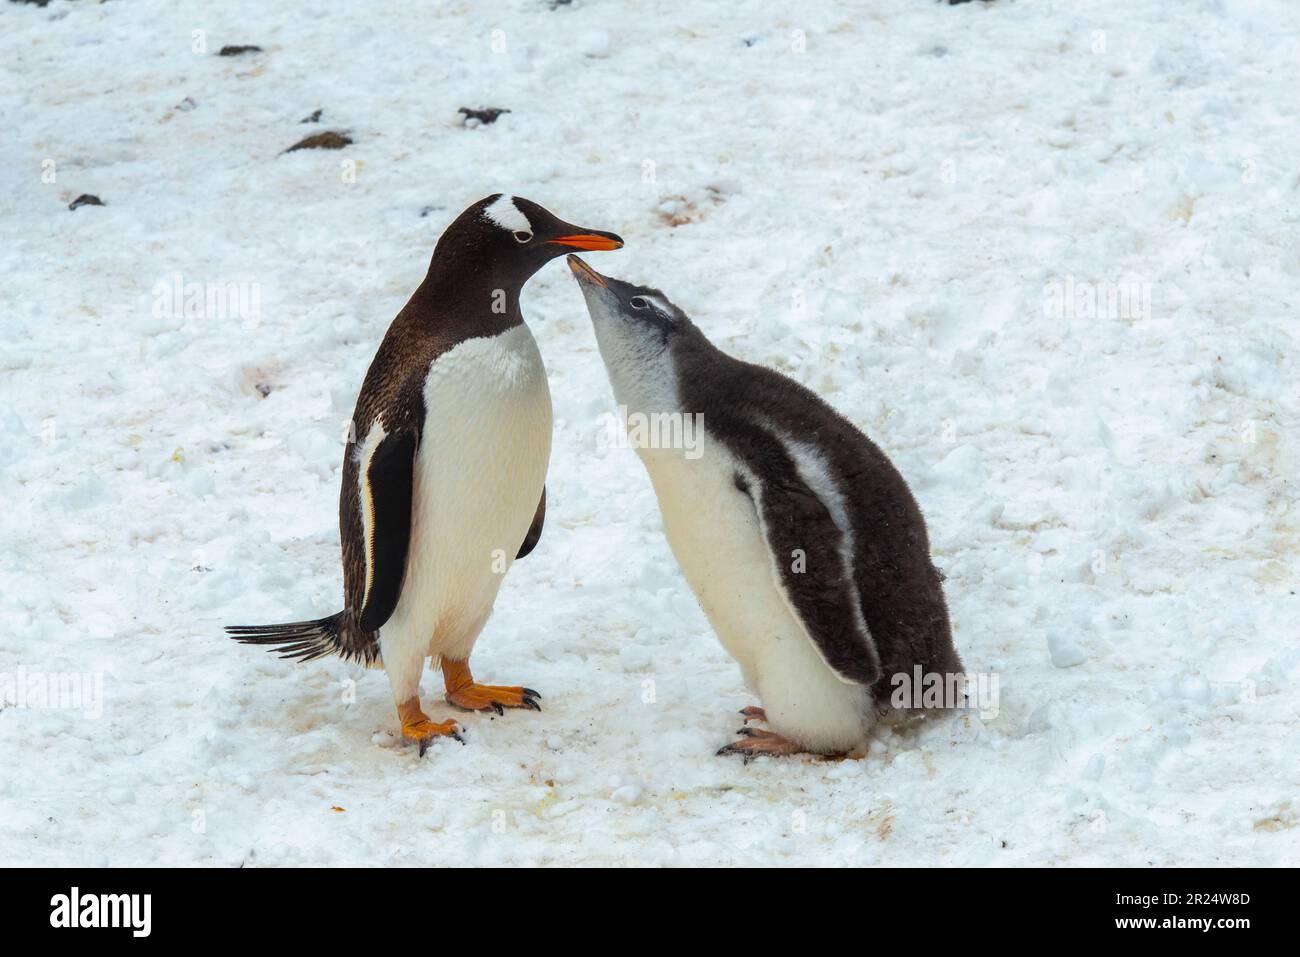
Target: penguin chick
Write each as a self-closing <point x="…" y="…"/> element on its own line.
<point x="801" y="541"/>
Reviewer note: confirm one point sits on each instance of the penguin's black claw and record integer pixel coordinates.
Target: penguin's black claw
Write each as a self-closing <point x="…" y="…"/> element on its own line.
<point x="425" y="742"/>
<point x="496" y="706"/>
<point x="417" y="727"/>
<point x="532" y="703"/>
<point x="531" y="693"/>
<point x="730" y="749"/>
<point x="757" y="743"/>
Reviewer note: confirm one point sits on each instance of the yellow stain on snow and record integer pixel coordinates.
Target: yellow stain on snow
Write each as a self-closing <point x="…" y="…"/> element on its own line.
<point x="1283" y="819"/>
<point x="551" y="797"/>
<point x="886" y="826"/>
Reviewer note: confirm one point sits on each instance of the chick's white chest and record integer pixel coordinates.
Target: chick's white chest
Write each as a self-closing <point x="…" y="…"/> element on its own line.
<point x="715" y="534"/>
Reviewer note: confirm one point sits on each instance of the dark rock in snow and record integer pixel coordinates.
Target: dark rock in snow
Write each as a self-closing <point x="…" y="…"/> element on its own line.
<point x="329" y="140"/>
<point x="85" y="199"/>
<point x="487" y="115"/>
<point x="238" y="50"/>
<point x="312" y="118"/>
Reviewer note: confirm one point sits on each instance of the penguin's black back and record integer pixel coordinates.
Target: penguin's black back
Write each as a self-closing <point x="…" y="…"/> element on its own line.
<point x="900" y="589"/>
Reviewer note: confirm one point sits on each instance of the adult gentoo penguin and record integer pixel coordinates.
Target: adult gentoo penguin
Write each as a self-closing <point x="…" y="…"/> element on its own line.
<point x="444" y="479"/>
<point x="801" y="541"/>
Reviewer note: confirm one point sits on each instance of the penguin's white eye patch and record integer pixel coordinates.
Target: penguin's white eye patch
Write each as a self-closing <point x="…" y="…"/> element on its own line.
<point x="639" y="303"/>
<point x="522" y="236"/>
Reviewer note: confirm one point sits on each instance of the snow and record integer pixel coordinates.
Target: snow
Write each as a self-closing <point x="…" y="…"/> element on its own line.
<point x="1065" y="652"/>
<point x="885" y="201"/>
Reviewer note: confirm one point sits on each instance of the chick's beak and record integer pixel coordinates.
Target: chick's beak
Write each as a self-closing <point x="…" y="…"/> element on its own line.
<point x="589" y="239"/>
<point x="584" y="273"/>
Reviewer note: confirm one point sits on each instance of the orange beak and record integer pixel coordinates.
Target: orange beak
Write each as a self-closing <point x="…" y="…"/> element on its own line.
<point x="585" y="273"/>
<point x="590" y="241"/>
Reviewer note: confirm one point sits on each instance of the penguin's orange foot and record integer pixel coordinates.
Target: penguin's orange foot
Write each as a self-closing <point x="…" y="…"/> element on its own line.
<point x="758" y="742"/>
<point x="477" y="697"/>
<point x="464" y="692"/>
<point x="416" y="725"/>
<point x="753" y="713"/>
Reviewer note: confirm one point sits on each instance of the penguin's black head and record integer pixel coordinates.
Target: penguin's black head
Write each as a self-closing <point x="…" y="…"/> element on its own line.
<point x="645" y="311"/>
<point x="508" y="238"/>
<point x="645" y="340"/>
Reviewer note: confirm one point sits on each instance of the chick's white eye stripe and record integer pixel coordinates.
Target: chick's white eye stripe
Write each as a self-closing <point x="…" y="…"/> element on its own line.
<point x="505" y="213"/>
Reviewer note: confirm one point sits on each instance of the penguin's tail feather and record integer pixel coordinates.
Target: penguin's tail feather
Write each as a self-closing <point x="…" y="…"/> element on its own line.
<point x="302" y="640"/>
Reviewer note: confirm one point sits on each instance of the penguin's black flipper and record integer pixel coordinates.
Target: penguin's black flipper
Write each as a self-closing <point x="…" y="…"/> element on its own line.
<point x="810" y="559"/>
<point x="535" y="530"/>
<point x="387" y="491"/>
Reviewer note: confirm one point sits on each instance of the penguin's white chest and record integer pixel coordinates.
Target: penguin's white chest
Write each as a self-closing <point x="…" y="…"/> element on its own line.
<point x="715" y="535"/>
<point x="479" y="475"/>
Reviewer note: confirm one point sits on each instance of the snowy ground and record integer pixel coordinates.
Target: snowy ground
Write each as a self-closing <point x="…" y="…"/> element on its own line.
<point x="878" y="198"/>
